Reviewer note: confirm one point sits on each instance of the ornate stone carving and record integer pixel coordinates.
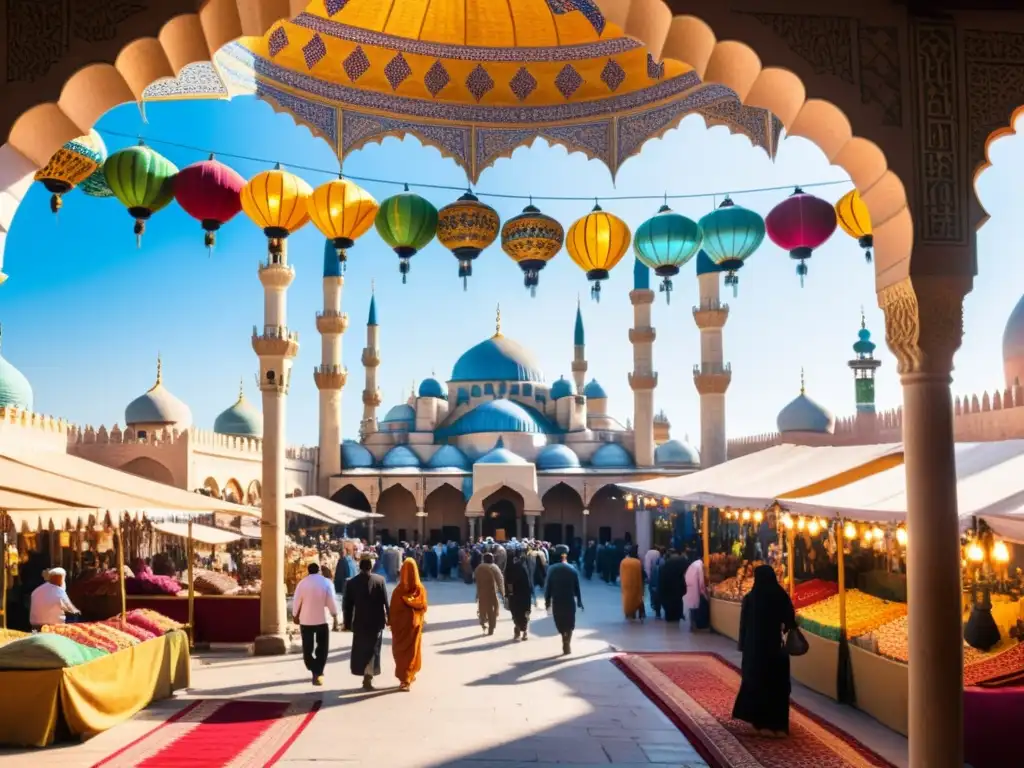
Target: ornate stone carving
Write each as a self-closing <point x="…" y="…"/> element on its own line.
<point x="924" y="322"/>
<point x="824" y="42"/>
<point x="994" y="64"/>
<point x="97" y="20"/>
<point x="880" y="71"/>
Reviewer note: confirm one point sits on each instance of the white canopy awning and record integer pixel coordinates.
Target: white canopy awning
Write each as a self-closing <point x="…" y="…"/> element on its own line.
<point x="204" y="534"/>
<point x="326" y="510"/>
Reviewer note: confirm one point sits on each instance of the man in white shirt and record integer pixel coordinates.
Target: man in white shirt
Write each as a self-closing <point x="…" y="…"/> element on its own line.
<point x="50" y="602"/>
<point x="313" y="596"/>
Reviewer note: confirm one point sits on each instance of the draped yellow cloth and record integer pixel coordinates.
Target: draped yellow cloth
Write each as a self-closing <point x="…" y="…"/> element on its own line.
<point x="632" y="580"/>
<point x="90" y="697"/>
<point x="407" y="614"/>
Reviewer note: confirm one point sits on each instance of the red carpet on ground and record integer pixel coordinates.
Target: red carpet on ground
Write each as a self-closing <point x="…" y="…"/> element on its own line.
<point x="216" y="733"/>
<point x="697" y="690"/>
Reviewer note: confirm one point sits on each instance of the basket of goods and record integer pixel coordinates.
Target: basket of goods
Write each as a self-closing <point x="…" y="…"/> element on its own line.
<point x="864" y="613"/>
<point x="813" y="591"/>
<point x="94" y="635"/>
<point x="151" y="621"/>
<point x="213" y="583"/>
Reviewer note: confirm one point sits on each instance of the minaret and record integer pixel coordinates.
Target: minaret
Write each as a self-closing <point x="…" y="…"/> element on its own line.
<point x="643" y="379"/>
<point x="276" y="347"/>
<point x="712" y="377"/>
<point x="371" y="359"/>
<point x="579" y="355"/>
<point x="330" y="376"/>
<point x="864" y="366"/>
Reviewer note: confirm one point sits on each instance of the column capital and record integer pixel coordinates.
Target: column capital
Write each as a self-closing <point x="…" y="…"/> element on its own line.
<point x="924" y="322"/>
<point x="372" y="398"/>
<point x="370" y="358"/>
<point x="276" y="275"/>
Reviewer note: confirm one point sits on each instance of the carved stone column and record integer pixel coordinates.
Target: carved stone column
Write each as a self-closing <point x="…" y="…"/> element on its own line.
<point x="924" y="327"/>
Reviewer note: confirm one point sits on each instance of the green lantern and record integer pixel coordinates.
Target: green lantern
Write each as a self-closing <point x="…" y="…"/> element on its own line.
<point x="407" y="223"/>
<point x="143" y="180"/>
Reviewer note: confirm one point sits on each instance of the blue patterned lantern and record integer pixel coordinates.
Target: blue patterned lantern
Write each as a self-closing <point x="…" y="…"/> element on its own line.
<point x="665" y="243"/>
<point x="731" y="234"/>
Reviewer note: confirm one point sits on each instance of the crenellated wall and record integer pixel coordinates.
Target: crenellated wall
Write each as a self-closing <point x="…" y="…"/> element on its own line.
<point x="24" y="430"/>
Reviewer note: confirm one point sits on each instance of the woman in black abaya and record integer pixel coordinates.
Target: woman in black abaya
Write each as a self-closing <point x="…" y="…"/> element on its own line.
<point x="767" y="612"/>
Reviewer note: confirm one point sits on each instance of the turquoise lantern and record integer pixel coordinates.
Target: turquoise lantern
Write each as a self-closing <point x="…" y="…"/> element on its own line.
<point x="665" y="243"/>
<point x="731" y="235"/>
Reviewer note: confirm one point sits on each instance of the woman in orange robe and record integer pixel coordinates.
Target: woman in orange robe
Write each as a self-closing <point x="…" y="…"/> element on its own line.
<point x="408" y="612"/>
<point x="631" y="576"/>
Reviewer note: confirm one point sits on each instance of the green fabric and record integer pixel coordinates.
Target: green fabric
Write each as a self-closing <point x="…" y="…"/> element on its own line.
<point x="406" y="220"/>
<point x="46" y="651"/>
<point x="140" y="177"/>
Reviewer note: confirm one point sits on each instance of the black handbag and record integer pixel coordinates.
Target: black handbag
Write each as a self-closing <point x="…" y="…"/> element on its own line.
<point x="796" y="643"/>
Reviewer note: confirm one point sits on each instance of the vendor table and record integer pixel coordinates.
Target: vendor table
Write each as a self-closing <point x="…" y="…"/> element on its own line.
<point x="818" y="669"/>
<point x="881" y="687"/>
<point x="725" y="618"/>
<point x="37" y="705"/>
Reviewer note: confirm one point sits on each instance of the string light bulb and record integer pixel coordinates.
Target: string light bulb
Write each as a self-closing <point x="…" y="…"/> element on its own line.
<point x="1000" y="552"/>
<point x="877" y="533"/>
<point x="787" y="521"/>
<point x="746" y="515"/>
<point x="758" y="516"/>
<point x="850" y="531"/>
<point x="901" y="536"/>
<point x="975" y="553"/>
<point x="867" y="537"/>
<point x="813" y="528"/>
<point x="800" y="523"/>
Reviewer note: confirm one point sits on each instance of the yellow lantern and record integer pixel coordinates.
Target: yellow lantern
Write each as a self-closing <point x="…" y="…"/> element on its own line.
<point x="800" y="524"/>
<point x="850" y="531"/>
<point x="787" y="521"/>
<point x="877" y="533"/>
<point x="855" y="220"/>
<point x="1000" y="552"/>
<point x="975" y="553"/>
<point x="343" y="211"/>
<point x="758" y="516"/>
<point x="596" y="243"/>
<point x="666" y="501"/>
<point x="277" y="202"/>
<point x="901" y="536"/>
<point x="813" y="528"/>
<point x="746" y="515"/>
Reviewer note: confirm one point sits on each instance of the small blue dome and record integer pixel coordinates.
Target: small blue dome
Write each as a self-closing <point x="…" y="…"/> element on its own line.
<point x="676" y="453"/>
<point x="594" y="390"/>
<point x="562" y="388"/>
<point x="864" y="345"/>
<point x="400" y="413"/>
<point x="611" y="456"/>
<point x="449" y="457"/>
<point x="355" y="456"/>
<point x="705" y="266"/>
<point x="400" y="457"/>
<point x="497" y="359"/>
<point x="242" y="419"/>
<point x="557" y="456"/>
<point x="15" y="391"/>
<point x="499" y="415"/>
<point x="432" y="388"/>
<point x="499" y="454"/>
<point x="805" y="415"/>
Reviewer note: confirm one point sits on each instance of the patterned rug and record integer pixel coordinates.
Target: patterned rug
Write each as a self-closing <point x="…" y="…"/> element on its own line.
<point x="697" y="690"/>
<point x="219" y="733"/>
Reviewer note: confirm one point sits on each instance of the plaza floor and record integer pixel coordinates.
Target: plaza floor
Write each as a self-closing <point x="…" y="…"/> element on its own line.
<point x="480" y="702"/>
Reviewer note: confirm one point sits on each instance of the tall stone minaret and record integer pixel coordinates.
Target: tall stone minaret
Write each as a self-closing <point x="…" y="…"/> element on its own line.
<point x="712" y="377"/>
<point x="579" y="354"/>
<point x="642" y="380"/>
<point x="330" y="376"/>
<point x="864" y="366"/>
<point x="371" y="359"/>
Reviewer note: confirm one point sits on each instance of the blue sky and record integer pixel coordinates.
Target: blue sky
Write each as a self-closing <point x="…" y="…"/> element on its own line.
<point x="85" y="313"/>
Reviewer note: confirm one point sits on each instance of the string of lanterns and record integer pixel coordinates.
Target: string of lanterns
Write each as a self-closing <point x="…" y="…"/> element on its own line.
<point x="280" y="203"/>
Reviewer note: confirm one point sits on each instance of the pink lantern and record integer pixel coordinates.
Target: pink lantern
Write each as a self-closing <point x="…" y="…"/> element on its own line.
<point x="210" y="192"/>
<point x="799" y="224"/>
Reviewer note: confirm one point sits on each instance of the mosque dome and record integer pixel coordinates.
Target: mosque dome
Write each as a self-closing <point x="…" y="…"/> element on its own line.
<point x="499" y="358"/>
<point x="499" y="415"/>
<point x="449" y="457"/>
<point x="594" y="390"/>
<point x="432" y="388"/>
<point x="805" y="415"/>
<point x="15" y="391"/>
<point x="400" y="457"/>
<point x="864" y="345"/>
<point x="355" y="456"/>
<point x="562" y="388"/>
<point x="242" y="419"/>
<point x="499" y="454"/>
<point x="400" y="413"/>
<point x="158" y="406"/>
<point x="676" y="453"/>
<point x="557" y="456"/>
<point x="611" y="456"/>
<point x="1013" y="346"/>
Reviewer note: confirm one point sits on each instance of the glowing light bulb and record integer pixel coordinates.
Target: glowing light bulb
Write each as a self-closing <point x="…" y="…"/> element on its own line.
<point x="975" y="553"/>
<point x="1000" y="552"/>
<point x="787" y="521"/>
<point x="823" y="523"/>
<point x="850" y="531"/>
<point x="901" y="536"/>
<point x="666" y="502"/>
<point x="867" y="537"/>
<point x="877" y="533"/>
<point x="800" y="523"/>
<point x="758" y="516"/>
<point x="746" y="515"/>
<point x="813" y="528"/>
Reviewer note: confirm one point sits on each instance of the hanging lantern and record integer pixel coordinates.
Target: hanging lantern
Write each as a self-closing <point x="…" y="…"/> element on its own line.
<point x="665" y="243"/>
<point x="96" y="185"/>
<point x="855" y="221"/>
<point x="210" y="192"/>
<point x="597" y="242"/>
<point x="532" y="239"/>
<point x="407" y="223"/>
<point x="731" y="235"/>
<point x="278" y="202"/>
<point x="466" y="227"/>
<point x="343" y="211"/>
<point x="143" y="180"/>
<point x="70" y="165"/>
<point x="799" y="224"/>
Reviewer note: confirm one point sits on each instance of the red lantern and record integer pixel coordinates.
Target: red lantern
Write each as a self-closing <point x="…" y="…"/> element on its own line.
<point x="210" y="192"/>
<point x="799" y="224"/>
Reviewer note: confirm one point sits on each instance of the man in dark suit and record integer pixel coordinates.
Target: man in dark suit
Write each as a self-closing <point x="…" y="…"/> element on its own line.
<point x="365" y="609"/>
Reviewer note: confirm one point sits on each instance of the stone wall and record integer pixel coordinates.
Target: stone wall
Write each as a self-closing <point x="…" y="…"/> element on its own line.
<point x="23" y="430"/>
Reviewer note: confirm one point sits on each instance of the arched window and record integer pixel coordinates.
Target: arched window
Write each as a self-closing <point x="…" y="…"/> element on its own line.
<point x="462" y="397"/>
<point x="514" y="390"/>
<point x="502" y="388"/>
<point x="489" y="389"/>
<point x="527" y="390"/>
<point x="475" y="391"/>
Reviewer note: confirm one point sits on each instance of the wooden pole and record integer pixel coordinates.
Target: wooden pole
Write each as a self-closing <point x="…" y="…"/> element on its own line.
<point x="191" y="589"/>
<point x="791" y="560"/>
<point x="705" y="536"/>
<point x="841" y="539"/>
<point x="3" y="567"/>
<point x="120" y="568"/>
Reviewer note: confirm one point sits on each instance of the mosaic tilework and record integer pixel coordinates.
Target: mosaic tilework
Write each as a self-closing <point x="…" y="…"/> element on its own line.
<point x="359" y="128"/>
<point x="314" y="51"/>
<point x="655" y="69"/>
<point x="437" y="78"/>
<point x="356" y="64"/>
<point x="753" y="123"/>
<point x="587" y="7"/>
<point x="277" y="41"/>
<point x="197" y="80"/>
<point x="479" y="82"/>
<point x="613" y="75"/>
<point x="321" y="118"/>
<point x="635" y="129"/>
<point x="594" y="139"/>
<point x="333" y="6"/>
<point x="396" y="71"/>
<point x="568" y="81"/>
<point x="523" y="84"/>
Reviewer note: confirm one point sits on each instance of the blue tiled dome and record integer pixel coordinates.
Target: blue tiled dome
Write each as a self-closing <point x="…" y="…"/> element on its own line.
<point x="355" y="456"/>
<point x="432" y="388"/>
<point x="499" y="454"/>
<point x="611" y="456"/>
<point x="242" y="419"/>
<point x="805" y="415"/>
<point x="400" y="457"/>
<point x="497" y="359"/>
<point x="557" y="456"/>
<point x="449" y="457"/>
<point x="594" y="390"/>
<point x="499" y="415"/>
<point x="400" y="413"/>
<point x="676" y="453"/>
<point x="562" y="388"/>
<point x="15" y="391"/>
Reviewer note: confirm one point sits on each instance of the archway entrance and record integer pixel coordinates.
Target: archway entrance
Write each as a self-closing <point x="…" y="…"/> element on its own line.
<point x="352" y="497"/>
<point x="503" y="512"/>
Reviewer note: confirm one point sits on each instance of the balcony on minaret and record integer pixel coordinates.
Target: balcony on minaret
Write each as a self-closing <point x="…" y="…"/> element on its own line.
<point x="711" y="313"/>
<point x="712" y="378"/>
<point x="370" y="358"/>
<point x="640" y="381"/>
<point x="372" y="399"/>
<point x="642" y="335"/>
<point x="330" y="376"/>
<point x="331" y="321"/>
<point x="276" y="274"/>
<point x="275" y="341"/>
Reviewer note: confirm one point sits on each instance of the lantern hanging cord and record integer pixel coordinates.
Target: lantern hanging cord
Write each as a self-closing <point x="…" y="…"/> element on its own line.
<point x="460" y="188"/>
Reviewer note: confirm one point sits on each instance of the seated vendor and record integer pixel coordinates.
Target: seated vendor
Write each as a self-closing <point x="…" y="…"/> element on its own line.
<point x="50" y="602"/>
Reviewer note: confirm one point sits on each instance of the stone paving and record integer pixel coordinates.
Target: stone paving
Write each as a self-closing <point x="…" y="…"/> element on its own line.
<point x="480" y="702"/>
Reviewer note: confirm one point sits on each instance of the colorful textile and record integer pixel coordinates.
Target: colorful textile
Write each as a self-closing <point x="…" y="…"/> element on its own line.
<point x="631" y="576"/>
<point x="123" y="625"/>
<point x="998" y="666"/>
<point x="863" y="614"/>
<point x="696" y="691"/>
<point x="813" y="591"/>
<point x="45" y="651"/>
<point x="219" y="732"/>
<point x="152" y="621"/>
<point x="94" y="635"/>
<point x="407" y="616"/>
<point x="6" y="635"/>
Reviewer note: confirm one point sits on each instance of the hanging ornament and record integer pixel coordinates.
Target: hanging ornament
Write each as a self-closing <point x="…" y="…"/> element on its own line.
<point x="799" y="224"/>
<point x="70" y="165"/>
<point x="143" y="180"/>
<point x="210" y="192"/>
<point x="855" y="221"/>
<point x="531" y="240"/>
<point x="343" y="211"/>
<point x="407" y="223"/>
<point x="596" y="243"/>
<point x="466" y="227"/>
<point x="731" y="235"/>
<point x="278" y="202"/>
<point x="665" y="243"/>
<point x="96" y="185"/>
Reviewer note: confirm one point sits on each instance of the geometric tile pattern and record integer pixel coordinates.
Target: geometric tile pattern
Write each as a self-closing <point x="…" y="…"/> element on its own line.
<point x="523" y="84"/>
<point x="437" y="78"/>
<point x="277" y="41"/>
<point x="655" y="69"/>
<point x="313" y="51"/>
<point x="568" y="81"/>
<point x="613" y="74"/>
<point x="396" y="71"/>
<point x="356" y="64"/>
<point x="479" y="82"/>
<point x="333" y="6"/>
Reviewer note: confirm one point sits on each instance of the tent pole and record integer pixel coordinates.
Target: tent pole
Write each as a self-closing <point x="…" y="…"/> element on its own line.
<point x="3" y="568"/>
<point x="705" y="536"/>
<point x="791" y="560"/>
<point x="191" y="590"/>
<point x="841" y="539"/>
<point x="120" y="568"/>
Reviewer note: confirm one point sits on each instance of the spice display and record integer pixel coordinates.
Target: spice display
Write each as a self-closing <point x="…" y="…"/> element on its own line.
<point x="152" y="621"/>
<point x="94" y="635"/>
<point x="813" y="591"/>
<point x="863" y="614"/>
<point x="123" y="625"/>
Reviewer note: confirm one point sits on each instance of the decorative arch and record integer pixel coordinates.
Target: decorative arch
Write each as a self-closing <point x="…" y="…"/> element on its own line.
<point x="446" y="508"/>
<point x="609" y="519"/>
<point x="351" y="496"/>
<point x="398" y="505"/>
<point x="151" y="469"/>
<point x="562" y="520"/>
<point x="211" y="485"/>
<point x="477" y="502"/>
<point x="503" y="510"/>
<point x="254" y="493"/>
<point x="233" y="491"/>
